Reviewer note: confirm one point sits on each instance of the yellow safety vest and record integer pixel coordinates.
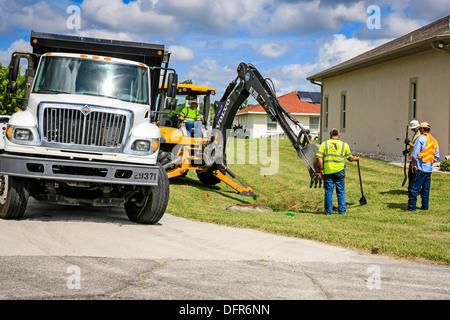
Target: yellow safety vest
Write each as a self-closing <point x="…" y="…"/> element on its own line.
<point x="189" y="114"/>
<point x="427" y="154"/>
<point x="334" y="153"/>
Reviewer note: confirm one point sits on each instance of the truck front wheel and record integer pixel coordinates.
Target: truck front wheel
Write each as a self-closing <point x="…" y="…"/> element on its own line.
<point x="149" y="205"/>
<point x="14" y="193"/>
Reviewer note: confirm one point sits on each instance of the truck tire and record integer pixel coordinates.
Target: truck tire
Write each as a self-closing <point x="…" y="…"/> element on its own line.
<point x="14" y="193"/>
<point x="150" y="205"/>
<point x="208" y="178"/>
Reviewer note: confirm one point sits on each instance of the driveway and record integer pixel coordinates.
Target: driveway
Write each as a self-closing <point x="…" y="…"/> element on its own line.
<point x="59" y="252"/>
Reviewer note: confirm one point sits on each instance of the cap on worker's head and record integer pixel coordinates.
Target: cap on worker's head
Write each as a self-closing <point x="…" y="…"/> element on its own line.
<point x="192" y="101"/>
<point x="425" y="125"/>
<point x="414" y="124"/>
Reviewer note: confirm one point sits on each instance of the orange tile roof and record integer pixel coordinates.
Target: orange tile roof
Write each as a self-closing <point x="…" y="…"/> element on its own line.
<point x="291" y="102"/>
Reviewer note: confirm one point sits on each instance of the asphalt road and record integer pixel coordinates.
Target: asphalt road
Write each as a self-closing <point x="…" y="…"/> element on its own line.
<point x="57" y="252"/>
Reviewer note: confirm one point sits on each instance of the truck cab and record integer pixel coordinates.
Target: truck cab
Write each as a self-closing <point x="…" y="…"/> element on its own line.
<point x="85" y="134"/>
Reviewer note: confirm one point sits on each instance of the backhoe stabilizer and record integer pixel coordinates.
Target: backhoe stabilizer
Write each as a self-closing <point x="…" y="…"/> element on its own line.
<point x="308" y="155"/>
<point x="240" y="187"/>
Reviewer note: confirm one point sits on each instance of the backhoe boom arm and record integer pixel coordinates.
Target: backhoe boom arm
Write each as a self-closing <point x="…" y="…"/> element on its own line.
<point x="250" y="82"/>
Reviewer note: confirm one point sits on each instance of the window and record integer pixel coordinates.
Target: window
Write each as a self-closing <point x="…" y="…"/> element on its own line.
<point x="314" y="124"/>
<point x="92" y="77"/>
<point x="271" y="125"/>
<point x="413" y="98"/>
<point x="343" y="111"/>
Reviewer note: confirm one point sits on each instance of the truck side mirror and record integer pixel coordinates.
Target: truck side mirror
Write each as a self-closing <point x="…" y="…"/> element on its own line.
<point x="11" y="87"/>
<point x="172" y="83"/>
<point x="13" y="73"/>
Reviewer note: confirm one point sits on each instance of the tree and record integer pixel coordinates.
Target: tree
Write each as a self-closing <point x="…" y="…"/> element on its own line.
<point x="8" y="105"/>
<point x="188" y="81"/>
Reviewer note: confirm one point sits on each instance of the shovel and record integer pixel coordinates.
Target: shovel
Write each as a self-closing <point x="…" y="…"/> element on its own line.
<point x="363" y="200"/>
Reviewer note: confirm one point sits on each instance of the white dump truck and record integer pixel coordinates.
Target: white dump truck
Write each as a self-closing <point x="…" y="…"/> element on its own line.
<point x="85" y="134"/>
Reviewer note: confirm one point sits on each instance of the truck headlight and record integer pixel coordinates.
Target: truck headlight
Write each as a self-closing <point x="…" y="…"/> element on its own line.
<point x="141" y="145"/>
<point x="23" y="134"/>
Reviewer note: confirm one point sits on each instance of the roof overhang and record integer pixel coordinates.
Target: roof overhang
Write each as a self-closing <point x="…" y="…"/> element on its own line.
<point x="413" y="48"/>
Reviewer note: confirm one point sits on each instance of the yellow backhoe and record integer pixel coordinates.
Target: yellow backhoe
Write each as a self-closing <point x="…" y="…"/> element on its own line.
<point x="181" y="152"/>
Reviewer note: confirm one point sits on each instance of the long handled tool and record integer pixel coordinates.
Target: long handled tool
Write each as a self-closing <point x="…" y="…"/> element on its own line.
<point x="405" y="153"/>
<point x="363" y="200"/>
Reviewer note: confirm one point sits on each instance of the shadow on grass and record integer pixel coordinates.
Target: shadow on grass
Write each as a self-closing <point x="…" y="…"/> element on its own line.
<point x="192" y="182"/>
<point x="395" y="192"/>
<point x="401" y="206"/>
<point x="199" y="185"/>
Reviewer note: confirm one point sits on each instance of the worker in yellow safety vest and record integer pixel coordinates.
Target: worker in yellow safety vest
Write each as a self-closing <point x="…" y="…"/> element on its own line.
<point x="426" y="153"/>
<point x="192" y="118"/>
<point x="331" y="158"/>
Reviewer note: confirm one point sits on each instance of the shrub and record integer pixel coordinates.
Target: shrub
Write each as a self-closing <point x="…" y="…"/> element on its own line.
<point x="445" y="165"/>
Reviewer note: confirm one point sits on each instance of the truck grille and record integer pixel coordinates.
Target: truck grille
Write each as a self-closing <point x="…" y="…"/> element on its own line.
<point x="84" y="127"/>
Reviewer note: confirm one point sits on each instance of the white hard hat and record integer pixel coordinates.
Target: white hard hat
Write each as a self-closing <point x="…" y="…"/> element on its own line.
<point x="192" y="101"/>
<point x="414" y="124"/>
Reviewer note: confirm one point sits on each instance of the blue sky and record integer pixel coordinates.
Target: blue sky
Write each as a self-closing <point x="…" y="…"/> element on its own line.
<point x="287" y="40"/>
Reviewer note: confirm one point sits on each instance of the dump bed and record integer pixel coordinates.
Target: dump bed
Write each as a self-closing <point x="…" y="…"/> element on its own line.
<point x="150" y="54"/>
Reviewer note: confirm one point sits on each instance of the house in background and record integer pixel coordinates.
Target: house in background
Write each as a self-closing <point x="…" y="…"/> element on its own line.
<point x="372" y="97"/>
<point x="304" y="106"/>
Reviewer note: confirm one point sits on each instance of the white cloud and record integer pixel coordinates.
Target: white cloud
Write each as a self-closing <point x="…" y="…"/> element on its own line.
<point x="398" y="25"/>
<point x="393" y="25"/>
<point x="105" y="34"/>
<point x="340" y="48"/>
<point x="180" y="54"/>
<point x="332" y="51"/>
<point x="135" y="17"/>
<point x="273" y="50"/>
<point x="39" y="16"/>
<point x="18" y="45"/>
<point x="219" y="16"/>
<point x="288" y="77"/>
<point x="310" y="17"/>
<point x="210" y="73"/>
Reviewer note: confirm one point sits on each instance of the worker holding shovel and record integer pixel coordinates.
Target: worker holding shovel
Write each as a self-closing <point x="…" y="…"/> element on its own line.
<point x="331" y="158"/>
<point x="413" y="126"/>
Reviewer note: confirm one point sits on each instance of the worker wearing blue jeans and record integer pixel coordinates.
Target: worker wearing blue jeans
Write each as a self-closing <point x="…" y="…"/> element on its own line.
<point x="192" y="119"/>
<point x="331" y="158"/>
<point x="329" y="181"/>
<point x="426" y="153"/>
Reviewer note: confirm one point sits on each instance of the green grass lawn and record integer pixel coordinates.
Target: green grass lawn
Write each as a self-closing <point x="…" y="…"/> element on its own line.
<point x="381" y="223"/>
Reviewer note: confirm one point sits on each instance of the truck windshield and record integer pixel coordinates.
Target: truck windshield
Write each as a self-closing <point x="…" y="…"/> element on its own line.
<point x="92" y="77"/>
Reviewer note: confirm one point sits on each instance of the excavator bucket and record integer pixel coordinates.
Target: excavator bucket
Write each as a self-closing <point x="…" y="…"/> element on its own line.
<point x="308" y="156"/>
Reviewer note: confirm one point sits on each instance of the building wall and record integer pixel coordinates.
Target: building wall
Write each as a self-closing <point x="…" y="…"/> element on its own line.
<point x="378" y="102"/>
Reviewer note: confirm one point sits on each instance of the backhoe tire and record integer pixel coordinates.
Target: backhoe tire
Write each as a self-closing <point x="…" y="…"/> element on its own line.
<point x="14" y="194"/>
<point x="150" y="205"/>
<point x="208" y="178"/>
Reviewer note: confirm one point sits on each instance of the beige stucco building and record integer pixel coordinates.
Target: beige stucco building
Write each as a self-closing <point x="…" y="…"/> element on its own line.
<point x="372" y="97"/>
